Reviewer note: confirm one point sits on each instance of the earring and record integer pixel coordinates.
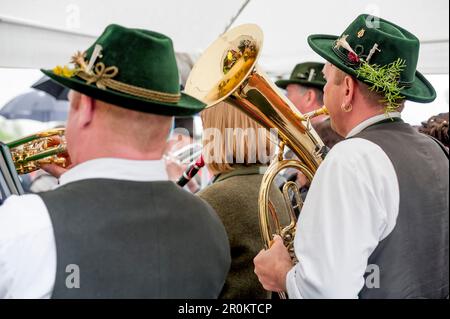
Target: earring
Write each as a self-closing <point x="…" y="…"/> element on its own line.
<point x="347" y="108"/>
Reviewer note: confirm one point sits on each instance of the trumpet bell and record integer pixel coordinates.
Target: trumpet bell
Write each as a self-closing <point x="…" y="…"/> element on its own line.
<point x="209" y="80"/>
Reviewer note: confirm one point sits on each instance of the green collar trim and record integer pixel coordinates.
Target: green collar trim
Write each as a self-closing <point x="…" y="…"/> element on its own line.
<point x="240" y="171"/>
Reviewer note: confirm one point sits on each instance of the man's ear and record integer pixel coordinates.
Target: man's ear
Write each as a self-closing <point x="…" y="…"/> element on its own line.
<point x="86" y="111"/>
<point x="311" y="97"/>
<point x="349" y="87"/>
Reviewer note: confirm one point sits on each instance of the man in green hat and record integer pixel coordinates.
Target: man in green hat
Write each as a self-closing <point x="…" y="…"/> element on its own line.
<point x="375" y="222"/>
<point x="115" y="227"/>
<point x="305" y="88"/>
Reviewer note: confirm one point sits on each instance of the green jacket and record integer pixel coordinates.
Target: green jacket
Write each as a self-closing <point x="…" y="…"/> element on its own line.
<point x="234" y="196"/>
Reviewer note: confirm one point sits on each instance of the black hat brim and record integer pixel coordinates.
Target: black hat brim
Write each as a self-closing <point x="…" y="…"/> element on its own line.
<point x="284" y="83"/>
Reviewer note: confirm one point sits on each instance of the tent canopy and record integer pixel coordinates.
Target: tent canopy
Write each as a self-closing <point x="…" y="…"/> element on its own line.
<point x="43" y="33"/>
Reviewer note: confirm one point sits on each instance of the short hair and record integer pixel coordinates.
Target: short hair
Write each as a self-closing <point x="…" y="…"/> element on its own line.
<point x="141" y="130"/>
<point x="246" y="149"/>
<point x="319" y="92"/>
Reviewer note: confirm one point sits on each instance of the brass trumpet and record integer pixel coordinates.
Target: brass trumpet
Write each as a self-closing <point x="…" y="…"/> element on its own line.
<point x="228" y="71"/>
<point x="30" y="152"/>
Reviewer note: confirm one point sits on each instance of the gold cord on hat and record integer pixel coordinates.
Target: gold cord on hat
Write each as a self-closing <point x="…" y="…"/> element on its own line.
<point x="103" y="76"/>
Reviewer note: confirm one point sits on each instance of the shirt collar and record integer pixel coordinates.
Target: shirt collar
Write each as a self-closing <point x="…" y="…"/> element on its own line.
<point x="373" y="120"/>
<point x="118" y="169"/>
<point x="241" y="170"/>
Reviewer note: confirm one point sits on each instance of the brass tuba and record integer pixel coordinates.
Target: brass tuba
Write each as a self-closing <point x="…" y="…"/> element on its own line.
<point x="228" y="70"/>
<point x="30" y="152"/>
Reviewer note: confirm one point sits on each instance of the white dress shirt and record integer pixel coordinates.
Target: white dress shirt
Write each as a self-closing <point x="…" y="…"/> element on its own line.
<point x="27" y="243"/>
<point x="352" y="205"/>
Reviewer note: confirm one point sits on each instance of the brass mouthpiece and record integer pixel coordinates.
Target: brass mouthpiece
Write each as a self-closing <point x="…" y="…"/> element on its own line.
<point x="322" y="111"/>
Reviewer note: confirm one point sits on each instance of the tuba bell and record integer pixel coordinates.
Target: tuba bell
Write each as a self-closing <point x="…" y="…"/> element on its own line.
<point x="46" y="147"/>
<point x="228" y="71"/>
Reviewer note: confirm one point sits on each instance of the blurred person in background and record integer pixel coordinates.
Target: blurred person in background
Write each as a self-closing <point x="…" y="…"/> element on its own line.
<point x="437" y="127"/>
<point x="305" y="88"/>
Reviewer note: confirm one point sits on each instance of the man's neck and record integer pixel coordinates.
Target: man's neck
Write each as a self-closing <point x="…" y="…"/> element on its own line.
<point x="101" y="145"/>
<point x="360" y="118"/>
<point x="122" y="153"/>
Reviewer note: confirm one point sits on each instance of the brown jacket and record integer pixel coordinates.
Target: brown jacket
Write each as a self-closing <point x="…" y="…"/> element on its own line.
<point x="234" y="196"/>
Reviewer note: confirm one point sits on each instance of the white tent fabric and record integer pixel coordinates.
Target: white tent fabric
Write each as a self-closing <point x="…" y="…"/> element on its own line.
<point x="287" y="24"/>
<point x="43" y="33"/>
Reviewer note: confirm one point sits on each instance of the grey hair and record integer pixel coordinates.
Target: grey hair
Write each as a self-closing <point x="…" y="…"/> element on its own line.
<point x="319" y="93"/>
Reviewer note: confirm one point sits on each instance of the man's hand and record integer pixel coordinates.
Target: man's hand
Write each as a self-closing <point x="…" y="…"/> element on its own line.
<point x="175" y="170"/>
<point x="54" y="169"/>
<point x="272" y="266"/>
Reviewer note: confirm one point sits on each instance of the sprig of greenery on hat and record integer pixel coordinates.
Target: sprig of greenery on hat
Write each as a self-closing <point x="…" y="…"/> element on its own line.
<point x="385" y="80"/>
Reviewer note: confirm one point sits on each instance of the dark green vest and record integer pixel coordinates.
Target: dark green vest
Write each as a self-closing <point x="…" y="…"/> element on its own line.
<point x="136" y="240"/>
<point x="234" y="196"/>
<point x="413" y="260"/>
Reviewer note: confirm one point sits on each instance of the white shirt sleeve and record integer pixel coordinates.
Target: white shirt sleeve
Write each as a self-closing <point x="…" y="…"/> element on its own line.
<point x="27" y="249"/>
<point x="351" y="206"/>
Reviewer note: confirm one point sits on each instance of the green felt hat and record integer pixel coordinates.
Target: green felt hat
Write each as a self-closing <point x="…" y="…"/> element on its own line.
<point x="380" y="54"/>
<point x="307" y="74"/>
<point x="131" y="68"/>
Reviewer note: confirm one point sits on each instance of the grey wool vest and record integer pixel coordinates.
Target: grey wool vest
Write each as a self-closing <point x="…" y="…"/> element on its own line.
<point x="413" y="260"/>
<point x="136" y="240"/>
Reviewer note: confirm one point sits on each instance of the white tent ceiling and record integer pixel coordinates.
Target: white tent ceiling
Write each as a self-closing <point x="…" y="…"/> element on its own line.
<point x="43" y="33"/>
